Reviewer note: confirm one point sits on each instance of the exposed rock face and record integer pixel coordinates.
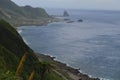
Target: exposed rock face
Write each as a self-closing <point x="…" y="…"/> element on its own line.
<point x="13" y="13"/>
<point x="65" y="13"/>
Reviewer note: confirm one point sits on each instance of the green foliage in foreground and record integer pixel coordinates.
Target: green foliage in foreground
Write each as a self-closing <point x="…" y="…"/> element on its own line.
<point x="52" y="76"/>
<point x="6" y="75"/>
<point x="12" y="48"/>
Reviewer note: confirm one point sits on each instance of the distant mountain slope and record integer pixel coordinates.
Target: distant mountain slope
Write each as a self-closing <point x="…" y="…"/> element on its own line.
<point x="27" y="14"/>
<point x="34" y="13"/>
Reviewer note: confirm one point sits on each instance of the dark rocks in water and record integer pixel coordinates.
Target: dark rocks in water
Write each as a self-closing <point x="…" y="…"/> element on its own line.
<point x="66" y="19"/>
<point x="80" y="20"/>
<point x="65" y="13"/>
<point x="70" y="21"/>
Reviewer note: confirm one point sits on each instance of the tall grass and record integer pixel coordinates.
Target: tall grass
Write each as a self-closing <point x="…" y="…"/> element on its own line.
<point x="45" y="67"/>
<point x="31" y="75"/>
<point x="20" y="64"/>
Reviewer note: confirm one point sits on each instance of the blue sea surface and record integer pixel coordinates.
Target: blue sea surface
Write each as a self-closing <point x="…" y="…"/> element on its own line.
<point x="92" y="45"/>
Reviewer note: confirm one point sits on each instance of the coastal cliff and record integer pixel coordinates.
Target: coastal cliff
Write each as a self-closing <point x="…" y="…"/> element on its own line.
<point x="17" y="60"/>
<point x="25" y="15"/>
<point x="13" y="50"/>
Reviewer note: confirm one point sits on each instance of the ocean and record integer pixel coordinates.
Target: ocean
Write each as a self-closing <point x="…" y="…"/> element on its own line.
<point x="92" y="45"/>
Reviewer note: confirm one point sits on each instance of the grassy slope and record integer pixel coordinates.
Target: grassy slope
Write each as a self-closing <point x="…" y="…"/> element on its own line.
<point x="17" y="15"/>
<point x="12" y="48"/>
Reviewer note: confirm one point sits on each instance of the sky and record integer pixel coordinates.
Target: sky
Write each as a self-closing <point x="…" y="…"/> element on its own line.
<point x="73" y="4"/>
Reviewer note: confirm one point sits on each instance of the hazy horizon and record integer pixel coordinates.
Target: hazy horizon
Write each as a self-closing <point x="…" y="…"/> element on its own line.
<point x="72" y="4"/>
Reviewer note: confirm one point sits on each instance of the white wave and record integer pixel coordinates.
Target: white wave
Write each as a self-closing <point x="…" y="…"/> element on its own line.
<point x="98" y="77"/>
<point x="19" y="31"/>
<point x="94" y="76"/>
<point x="80" y="71"/>
<point x="104" y="79"/>
<point x="25" y="41"/>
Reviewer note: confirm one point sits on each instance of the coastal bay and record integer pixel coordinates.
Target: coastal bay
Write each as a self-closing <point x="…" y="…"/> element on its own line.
<point x="85" y="45"/>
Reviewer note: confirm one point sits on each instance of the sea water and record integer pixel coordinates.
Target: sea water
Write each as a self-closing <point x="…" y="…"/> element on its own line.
<point x="92" y="45"/>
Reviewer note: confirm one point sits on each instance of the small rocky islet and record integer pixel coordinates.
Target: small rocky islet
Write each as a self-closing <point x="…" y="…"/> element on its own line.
<point x="17" y="60"/>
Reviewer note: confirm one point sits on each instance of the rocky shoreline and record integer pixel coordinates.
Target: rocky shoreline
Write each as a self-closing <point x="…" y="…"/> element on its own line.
<point x="63" y="69"/>
<point x="35" y="22"/>
<point x="66" y="71"/>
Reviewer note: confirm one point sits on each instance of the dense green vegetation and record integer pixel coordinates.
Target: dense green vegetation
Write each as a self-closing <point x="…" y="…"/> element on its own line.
<point x="17" y="15"/>
<point x="6" y="75"/>
<point x="13" y="50"/>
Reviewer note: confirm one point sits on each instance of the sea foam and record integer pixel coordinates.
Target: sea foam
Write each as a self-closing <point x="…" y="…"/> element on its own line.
<point x="19" y="31"/>
<point x="94" y="76"/>
<point x="104" y="79"/>
<point x="25" y="41"/>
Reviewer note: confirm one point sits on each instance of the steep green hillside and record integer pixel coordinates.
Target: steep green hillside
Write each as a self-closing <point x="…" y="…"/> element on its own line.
<point x="12" y="49"/>
<point x="17" y="15"/>
<point x="34" y="13"/>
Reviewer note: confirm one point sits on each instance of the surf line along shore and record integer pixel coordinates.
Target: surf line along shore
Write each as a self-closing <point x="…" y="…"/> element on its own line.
<point x="67" y="72"/>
